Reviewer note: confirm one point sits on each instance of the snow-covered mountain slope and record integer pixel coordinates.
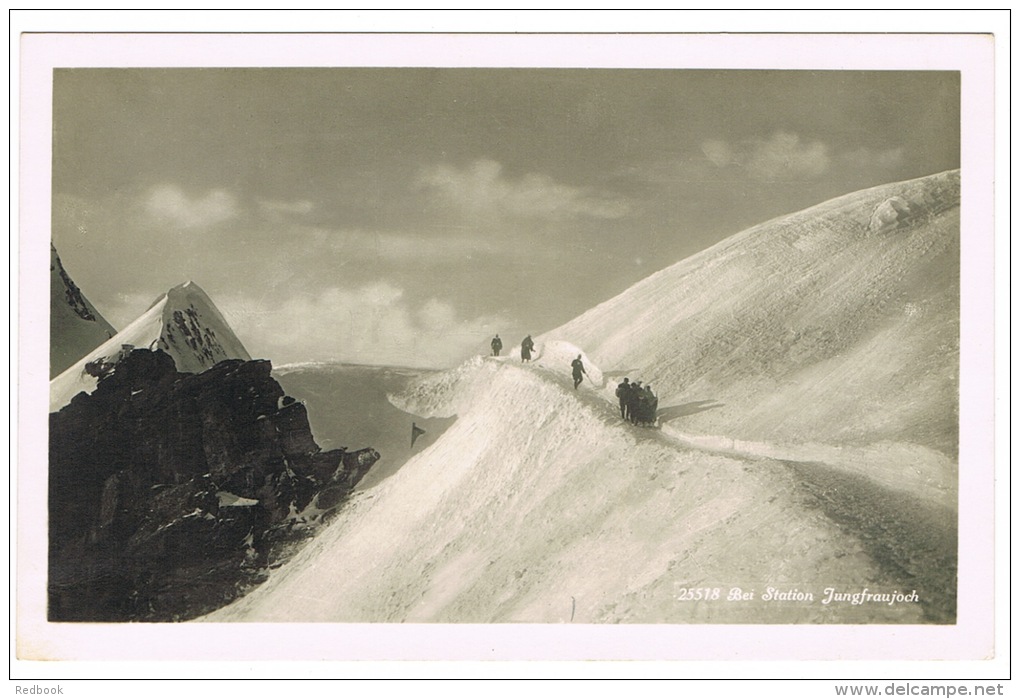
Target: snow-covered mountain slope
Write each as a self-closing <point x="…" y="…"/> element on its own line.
<point x="837" y="325"/>
<point x="76" y="327"/>
<point x="807" y="374"/>
<point x="540" y="505"/>
<point x="183" y="322"/>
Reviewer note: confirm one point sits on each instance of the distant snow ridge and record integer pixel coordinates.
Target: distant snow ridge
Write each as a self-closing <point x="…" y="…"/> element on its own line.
<point x="76" y="327"/>
<point x="183" y="322"/>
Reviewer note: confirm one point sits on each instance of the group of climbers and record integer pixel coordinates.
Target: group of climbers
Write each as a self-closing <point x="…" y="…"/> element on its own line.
<point x="638" y="404"/>
<point x="527" y="347"/>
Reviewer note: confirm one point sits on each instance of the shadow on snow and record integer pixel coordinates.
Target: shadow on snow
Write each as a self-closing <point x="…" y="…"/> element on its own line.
<point x="675" y="411"/>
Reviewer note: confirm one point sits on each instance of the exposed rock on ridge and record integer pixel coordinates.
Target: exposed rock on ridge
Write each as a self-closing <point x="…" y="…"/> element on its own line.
<point x="171" y="493"/>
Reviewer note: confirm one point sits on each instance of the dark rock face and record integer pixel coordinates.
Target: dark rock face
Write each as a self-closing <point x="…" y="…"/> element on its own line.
<point x="72" y="294"/>
<point x="170" y="493"/>
<point x="76" y="327"/>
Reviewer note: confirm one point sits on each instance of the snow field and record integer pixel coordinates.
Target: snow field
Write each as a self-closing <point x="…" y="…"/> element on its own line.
<point x="536" y="504"/>
<point x="906" y="467"/>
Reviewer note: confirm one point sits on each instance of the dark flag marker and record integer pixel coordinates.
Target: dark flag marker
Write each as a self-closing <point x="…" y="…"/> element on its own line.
<point x="415" y="433"/>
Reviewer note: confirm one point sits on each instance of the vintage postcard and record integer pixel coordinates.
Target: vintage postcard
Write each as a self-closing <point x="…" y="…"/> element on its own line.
<point x="469" y="347"/>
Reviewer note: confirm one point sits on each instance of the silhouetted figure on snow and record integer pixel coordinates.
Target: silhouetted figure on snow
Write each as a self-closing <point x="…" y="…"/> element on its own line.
<point x="653" y="405"/>
<point x="497" y="345"/>
<point x="646" y="405"/>
<point x="527" y="347"/>
<point x="633" y="397"/>
<point x="578" y="366"/>
<point x="623" y="393"/>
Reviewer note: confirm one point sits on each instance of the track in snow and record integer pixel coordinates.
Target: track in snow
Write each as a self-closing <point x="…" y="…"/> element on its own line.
<point x="911" y="539"/>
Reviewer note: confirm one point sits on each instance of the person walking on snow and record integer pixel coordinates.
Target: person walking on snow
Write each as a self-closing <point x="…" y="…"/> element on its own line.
<point x="623" y="393"/>
<point x="497" y="345"/>
<point x="633" y="398"/>
<point x="527" y="346"/>
<point x="579" y="371"/>
<point x="651" y="406"/>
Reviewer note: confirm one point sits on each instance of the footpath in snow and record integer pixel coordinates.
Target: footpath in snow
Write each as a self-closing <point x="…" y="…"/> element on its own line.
<point x="539" y="504"/>
<point x="912" y="473"/>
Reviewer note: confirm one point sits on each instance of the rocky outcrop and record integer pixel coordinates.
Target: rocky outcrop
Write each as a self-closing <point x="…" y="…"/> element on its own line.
<point x="183" y="322"/>
<point x="171" y="493"/>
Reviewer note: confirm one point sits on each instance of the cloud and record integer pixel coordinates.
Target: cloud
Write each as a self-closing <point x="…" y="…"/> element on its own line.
<point x="375" y="323"/>
<point x="482" y="189"/>
<point x="786" y="156"/>
<point x="355" y="245"/>
<point x="718" y="152"/>
<point x="169" y="203"/>
<point x="395" y="247"/>
<point x="122" y="308"/>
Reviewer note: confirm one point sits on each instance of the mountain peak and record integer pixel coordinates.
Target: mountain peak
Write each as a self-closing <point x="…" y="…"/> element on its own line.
<point x="195" y="332"/>
<point x="183" y="322"/>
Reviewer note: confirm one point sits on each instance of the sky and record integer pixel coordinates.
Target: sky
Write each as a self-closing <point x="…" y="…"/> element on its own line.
<point x="405" y="215"/>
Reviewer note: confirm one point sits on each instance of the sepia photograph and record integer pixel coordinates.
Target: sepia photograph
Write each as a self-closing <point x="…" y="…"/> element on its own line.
<point x="505" y="346"/>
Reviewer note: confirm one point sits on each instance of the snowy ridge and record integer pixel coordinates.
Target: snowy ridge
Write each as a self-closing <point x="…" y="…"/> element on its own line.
<point x="449" y="393"/>
<point x="539" y="505"/>
<point x="807" y="373"/>
<point x="183" y="322"/>
<point x="76" y="327"/>
<point x="838" y="324"/>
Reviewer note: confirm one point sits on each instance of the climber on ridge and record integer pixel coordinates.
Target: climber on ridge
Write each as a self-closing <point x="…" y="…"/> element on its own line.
<point x="623" y="393"/>
<point x="527" y="347"/>
<point x="578" y="366"/>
